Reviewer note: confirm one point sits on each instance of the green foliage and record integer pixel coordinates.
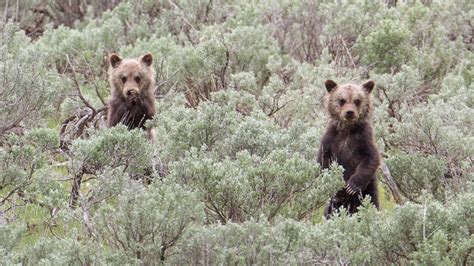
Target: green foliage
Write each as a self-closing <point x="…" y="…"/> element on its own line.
<point x="415" y="174"/>
<point x="27" y="88"/>
<point x="278" y="184"/>
<point x="45" y="251"/>
<point x="436" y="130"/>
<point x="10" y="235"/>
<point x="387" y="47"/>
<point x="24" y="165"/>
<point x="146" y="222"/>
<point x="427" y="234"/>
<point x="231" y="177"/>
<point x="115" y="147"/>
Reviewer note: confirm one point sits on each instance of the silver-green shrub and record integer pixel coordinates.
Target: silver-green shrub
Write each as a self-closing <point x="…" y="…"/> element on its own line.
<point x="231" y="177"/>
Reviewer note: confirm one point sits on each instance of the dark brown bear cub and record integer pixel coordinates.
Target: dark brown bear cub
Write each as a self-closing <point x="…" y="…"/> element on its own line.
<point x="349" y="141"/>
<point x="132" y="102"/>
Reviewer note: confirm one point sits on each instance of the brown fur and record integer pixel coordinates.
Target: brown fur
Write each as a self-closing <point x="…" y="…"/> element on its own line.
<point x="349" y="141"/>
<point x="132" y="101"/>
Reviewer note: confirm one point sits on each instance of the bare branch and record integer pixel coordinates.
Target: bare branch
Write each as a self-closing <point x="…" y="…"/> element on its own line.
<point x="78" y="87"/>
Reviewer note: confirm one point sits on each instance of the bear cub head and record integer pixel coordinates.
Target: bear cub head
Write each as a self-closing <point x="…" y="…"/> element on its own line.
<point x="349" y="104"/>
<point x="131" y="79"/>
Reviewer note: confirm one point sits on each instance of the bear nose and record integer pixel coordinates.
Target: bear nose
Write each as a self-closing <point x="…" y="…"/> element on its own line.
<point x="131" y="92"/>
<point x="350" y="114"/>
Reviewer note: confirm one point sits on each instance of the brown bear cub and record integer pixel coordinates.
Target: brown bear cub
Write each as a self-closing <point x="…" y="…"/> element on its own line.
<point x="132" y="101"/>
<point x="349" y="142"/>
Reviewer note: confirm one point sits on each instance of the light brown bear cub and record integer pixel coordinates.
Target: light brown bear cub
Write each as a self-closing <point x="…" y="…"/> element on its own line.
<point x="349" y="141"/>
<point x="132" y="101"/>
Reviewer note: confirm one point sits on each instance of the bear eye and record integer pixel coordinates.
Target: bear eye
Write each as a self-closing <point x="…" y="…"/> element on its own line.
<point x="124" y="79"/>
<point x="342" y="102"/>
<point x="357" y="102"/>
<point x="137" y="79"/>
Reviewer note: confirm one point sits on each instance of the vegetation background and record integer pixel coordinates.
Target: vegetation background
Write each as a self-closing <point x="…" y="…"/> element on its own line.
<point x="240" y="115"/>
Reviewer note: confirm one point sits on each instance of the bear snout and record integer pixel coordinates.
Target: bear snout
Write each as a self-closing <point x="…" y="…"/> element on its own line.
<point x="131" y="93"/>
<point x="349" y="114"/>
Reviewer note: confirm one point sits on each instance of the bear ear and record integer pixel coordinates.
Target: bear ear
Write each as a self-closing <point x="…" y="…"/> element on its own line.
<point x="368" y="86"/>
<point x="147" y="59"/>
<point x="115" y="60"/>
<point x="330" y="85"/>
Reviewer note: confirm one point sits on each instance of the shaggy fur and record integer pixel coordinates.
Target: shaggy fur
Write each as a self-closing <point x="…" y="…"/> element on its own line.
<point x="132" y="101"/>
<point x="349" y="141"/>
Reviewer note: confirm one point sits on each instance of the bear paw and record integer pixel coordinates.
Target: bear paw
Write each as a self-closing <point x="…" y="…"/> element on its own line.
<point x="133" y="98"/>
<point x="351" y="189"/>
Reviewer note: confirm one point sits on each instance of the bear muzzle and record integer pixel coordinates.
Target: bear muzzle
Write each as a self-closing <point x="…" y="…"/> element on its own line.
<point x="133" y="92"/>
<point x="350" y="116"/>
<point x="132" y="95"/>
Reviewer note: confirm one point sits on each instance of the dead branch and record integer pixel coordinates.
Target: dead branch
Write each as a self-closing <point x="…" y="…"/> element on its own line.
<point x="78" y="87"/>
<point x="74" y="126"/>
<point x="347" y="51"/>
<point x="76" y="188"/>
<point x="94" y="82"/>
<point x="390" y="182"/>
